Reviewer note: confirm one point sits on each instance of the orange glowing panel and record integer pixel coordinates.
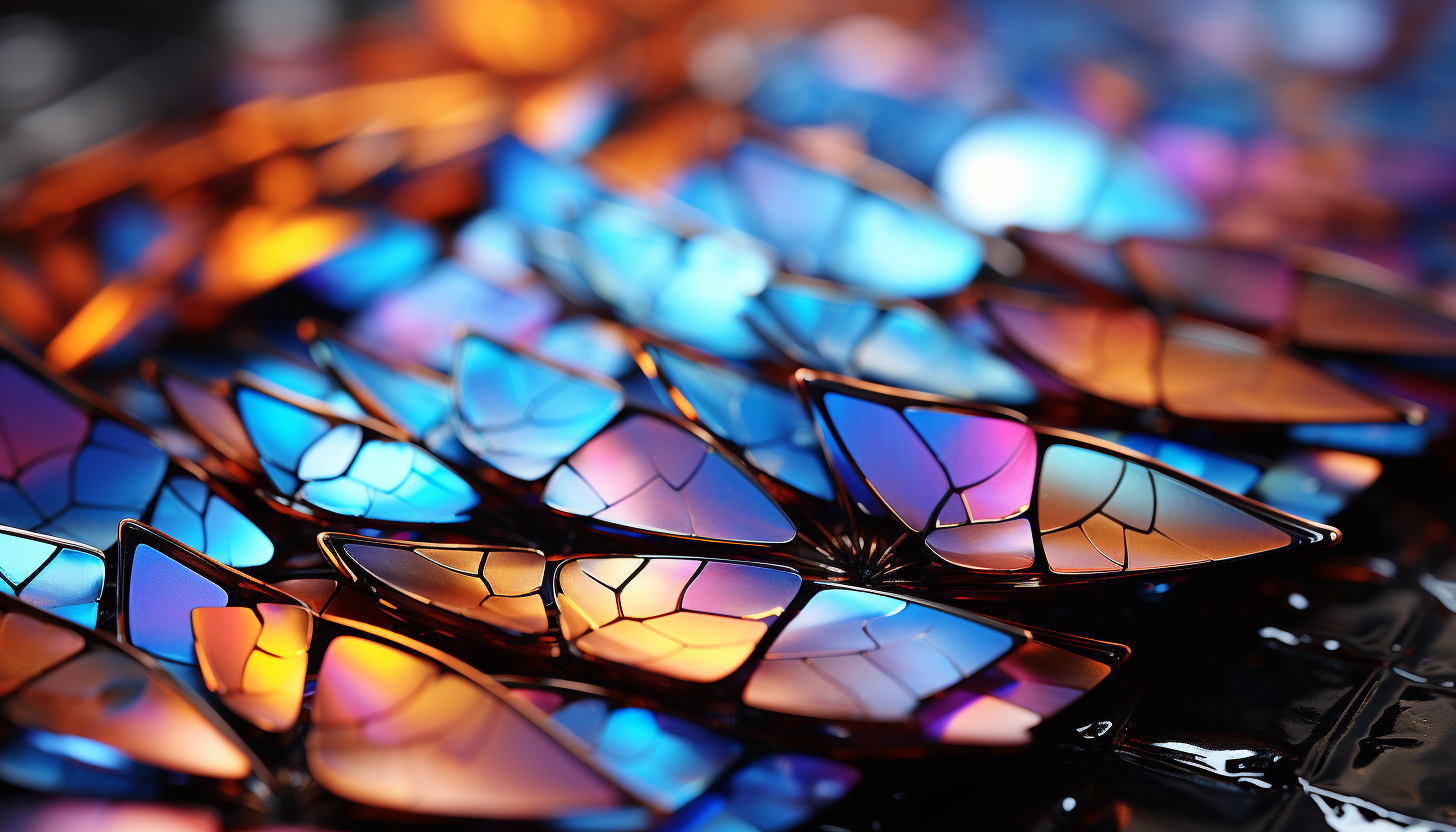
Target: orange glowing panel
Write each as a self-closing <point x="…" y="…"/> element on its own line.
<point x="518" y="37"/>
<point x="60" y="678"/>
<point x="259" y="248"/>
<point x="28" y="647"/>
<point x="256" y="667"/>
<point x="498" y="585"/>
<point x="663" y="145"/>
<point x="1193" y="369"/>
<point x="398" y="731"/>
<point x="691" y="619"/>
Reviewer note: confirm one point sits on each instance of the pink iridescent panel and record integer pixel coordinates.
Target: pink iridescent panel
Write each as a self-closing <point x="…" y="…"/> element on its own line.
<point x="855" y="654"/>
<point x="1099" y="513"/>
<point x="648" y="473"/>
<point x="956" y="474"/>
<point x="681" y="617"/>
<point x="395" y="730"/>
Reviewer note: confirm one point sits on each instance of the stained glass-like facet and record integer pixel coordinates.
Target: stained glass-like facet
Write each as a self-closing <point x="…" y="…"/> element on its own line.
<point x="682" y="617"/>
<point x="648" y="473"/>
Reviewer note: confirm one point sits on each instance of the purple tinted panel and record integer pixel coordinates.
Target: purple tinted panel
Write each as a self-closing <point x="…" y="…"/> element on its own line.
<point x="1008" y="493"/>
<point x="891" y="456"/>
<point x="161" y="594"/>
<point x="844" y="473"/>
<point x="992" y="546"/>
<point x="740" y="589"/>
<point x="653" y="475"/>
<point x="971" y="447"/>
<point x="35" y="420"/>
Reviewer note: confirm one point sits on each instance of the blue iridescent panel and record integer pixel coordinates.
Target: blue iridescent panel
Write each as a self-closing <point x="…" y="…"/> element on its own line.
<point x="417" y="322"/>
<point x="535" y="189"/>
<point x="823" y="224"/>
<point x="796" y="208"/>
<point x="392" y="254"/>
<point x="523" y="415"/>
<point x="304" y="379"/>
<point x="63" y="474"/>
<point x="781" y="791"/>
<point x="768" y="422"/>
<point x="692" y="289"/>
<point x="335" y="467"/>
<point x="161" y="595"/>
<point x="60" y="577"/>
<point x="647" y="473"/>
<point x="667" y="760"/>
<point x="587" y="343"/>
<point x="854" y="654"/>
<point x="416" y="402"/>
<point x="1222" y="470"/>
<point x="905" y="345"/>
<point x="190" y="512"/>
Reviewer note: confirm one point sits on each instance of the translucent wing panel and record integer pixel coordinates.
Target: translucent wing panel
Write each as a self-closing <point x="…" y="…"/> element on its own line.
<point x="835" y="329"/>
<point x="852" y="654"/>
<point x="522" y="415"/>
<point x="255" y="660"/>
<point x="647" y="473"/>
<point x="682" y="617"/>
<point x="768" y="422"/>
<point x="1001" y="704"/>
<point x="692" y="289"/>
<point x="1211" y="372"/>
<point x="1108" y="352"/>
<point x="1099" y="513"/>
<point x="394" y="730"/>
<point x="417" y="403"/>
<point x="58" y="576"/>
<point x="333" y="465"/>
<point x="1344" y="315"/>
<point x="64" y="472"/>
<point x="1242" y="287"/>
<point x="667" y="760"/>
<point x="54" y="680"/>
<point x="215" y="629"/>
<point x="1222" y="470"/>
<point x="501" y="587"/>
<point x="1194" y="369"/>
<point x="188" y="510"/>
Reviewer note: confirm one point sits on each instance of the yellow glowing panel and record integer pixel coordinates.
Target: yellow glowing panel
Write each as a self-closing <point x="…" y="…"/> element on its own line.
<point x="686" y="618"/>
<point x="256" y="666"/>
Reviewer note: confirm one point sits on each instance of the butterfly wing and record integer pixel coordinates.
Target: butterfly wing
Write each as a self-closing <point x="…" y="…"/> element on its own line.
<point x="991" y="492"/>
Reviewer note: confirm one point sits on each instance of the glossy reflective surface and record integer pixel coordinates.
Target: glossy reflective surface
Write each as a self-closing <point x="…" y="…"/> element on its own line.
<point x="647" y="473"/>
<point x="680" y="617"/>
